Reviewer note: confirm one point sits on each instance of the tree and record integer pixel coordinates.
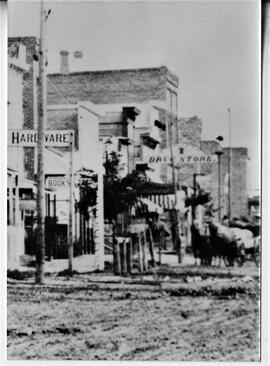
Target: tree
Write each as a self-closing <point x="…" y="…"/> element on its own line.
<point x="88" y="192"/>
<point x="119" y="194"/>
<point x="201" y="198"/>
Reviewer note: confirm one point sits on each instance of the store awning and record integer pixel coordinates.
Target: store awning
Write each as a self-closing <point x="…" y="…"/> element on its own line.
<point x="153" y="176"/>
<point x="27" y="184"/>
<point x="152" y="207"/>
<point x="151" y="188"/>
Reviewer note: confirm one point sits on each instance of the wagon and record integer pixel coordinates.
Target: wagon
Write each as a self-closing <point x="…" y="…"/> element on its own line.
<point x="249" y="251"/>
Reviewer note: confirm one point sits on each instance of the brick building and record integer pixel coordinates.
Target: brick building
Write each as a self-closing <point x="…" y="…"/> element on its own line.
<point x="189" y="131"/>
<point x="124" y="87"/>
<point x="21" y="187"/>
<point x="151" y="90"/>
<point x="189" y="134"/>
<point x="116" y="131"/>
<point x="148" y="89"/>
<point x="29" y="94"/>
<point x="239" y="191"/>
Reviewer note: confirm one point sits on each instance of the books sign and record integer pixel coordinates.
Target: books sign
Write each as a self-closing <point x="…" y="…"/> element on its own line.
<point x="56" y="182"/>
<point x="29" y="138"/>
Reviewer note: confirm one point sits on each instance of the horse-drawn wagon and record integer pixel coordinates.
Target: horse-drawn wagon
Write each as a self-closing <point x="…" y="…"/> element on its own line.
<point x="212" y="240"/>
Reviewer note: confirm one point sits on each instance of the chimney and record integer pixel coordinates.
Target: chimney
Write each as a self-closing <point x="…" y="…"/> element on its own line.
<point x="64" y="62"/>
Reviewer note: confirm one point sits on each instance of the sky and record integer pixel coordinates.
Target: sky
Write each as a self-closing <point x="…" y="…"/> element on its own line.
<point x="213" y="47"/>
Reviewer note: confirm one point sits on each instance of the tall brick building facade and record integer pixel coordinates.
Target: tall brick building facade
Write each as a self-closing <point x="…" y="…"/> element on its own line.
<point x="29" y="95"/>
<point x="155" y="84"/>
<point x="239" y="191"/>
<point x="111" y="86"/>
<point x="189" y="132"/>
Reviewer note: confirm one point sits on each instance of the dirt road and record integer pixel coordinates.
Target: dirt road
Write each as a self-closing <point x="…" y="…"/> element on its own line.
<point x="132" y="322"/>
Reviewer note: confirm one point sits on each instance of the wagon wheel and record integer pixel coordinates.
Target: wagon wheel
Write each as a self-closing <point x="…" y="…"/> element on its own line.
<point x="241" y="257"/>
<point x="229" y="262"/>
<point x="240" y="260"/>
<point x="256" y="257"/>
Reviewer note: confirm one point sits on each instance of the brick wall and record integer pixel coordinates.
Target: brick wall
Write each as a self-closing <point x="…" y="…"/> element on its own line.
<point x="28" y="98"/>
<point x="63" y="119"/>
<point x="239" y="192"/>
<point x="189" y="130"/>
<point x="108" y="87"/>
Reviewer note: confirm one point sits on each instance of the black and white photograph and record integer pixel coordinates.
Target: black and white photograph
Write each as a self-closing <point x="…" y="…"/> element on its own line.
<point x="133" y="197"/>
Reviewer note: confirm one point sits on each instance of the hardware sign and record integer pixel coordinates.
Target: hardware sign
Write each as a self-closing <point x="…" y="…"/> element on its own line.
<point x="29" y="138"/>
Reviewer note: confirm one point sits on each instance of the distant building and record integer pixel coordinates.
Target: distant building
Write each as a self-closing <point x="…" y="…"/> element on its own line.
<point x="125" y="87"/>
<point x="142" y="87"/>
<point x="238" y="191"/>
<point x="88" y="230"/>
<point x="254" y="207"/>
<point x="189" y="131"/>
<point x="116" y="130"/>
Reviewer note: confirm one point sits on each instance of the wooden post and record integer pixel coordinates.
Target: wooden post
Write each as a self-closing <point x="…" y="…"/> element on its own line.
<point x="54" y="227"/>
<point x="161" y="238"/>
<point x="140" y="252"/>
<point x="75" y="223"/>
<point x="123" y="252"/>
<point x="116" y="256"/>
<point x="129" y="255"/>
<point x="151" y="247"/>
<point x="145" y="262"/>
<point x="116" y="251"/>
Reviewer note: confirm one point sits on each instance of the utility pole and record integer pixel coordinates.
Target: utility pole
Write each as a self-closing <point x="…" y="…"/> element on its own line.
<point x="40" y="245"/>
<point x="219" y="153"/>
<point x="71" y="207"/>
<point x="175" y="219"/>
<point x="229" y="165"/>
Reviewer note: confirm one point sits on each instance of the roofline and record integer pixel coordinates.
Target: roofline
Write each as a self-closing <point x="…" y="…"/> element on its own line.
<point x="103" y="71"/>
<point x="225" y="147"/>
<point x="156" y="68"/>
<point x="61" y="106"/>
<point x="81" y="104"/>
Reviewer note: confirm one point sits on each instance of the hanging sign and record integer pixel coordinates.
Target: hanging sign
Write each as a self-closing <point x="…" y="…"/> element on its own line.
<point x="29" y="138"/>
<point x="56" y="182"/>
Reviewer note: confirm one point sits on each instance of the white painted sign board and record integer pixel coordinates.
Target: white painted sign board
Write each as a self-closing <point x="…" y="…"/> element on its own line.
<point x="57" y="182"/>
<point x="191" y="159"/>
<point x="29" y="138"/>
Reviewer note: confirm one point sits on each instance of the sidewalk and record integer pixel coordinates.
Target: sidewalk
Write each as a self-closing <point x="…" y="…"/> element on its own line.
<point x="86" y="263"/>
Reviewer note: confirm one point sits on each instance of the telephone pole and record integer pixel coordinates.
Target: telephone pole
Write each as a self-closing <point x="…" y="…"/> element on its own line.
<point x="229" y="165"/>
<point x="175" y="213"/>
<point x="40" y="245"/>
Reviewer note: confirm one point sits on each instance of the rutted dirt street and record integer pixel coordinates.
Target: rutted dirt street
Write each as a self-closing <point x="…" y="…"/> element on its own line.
<point x="88" y="319"/>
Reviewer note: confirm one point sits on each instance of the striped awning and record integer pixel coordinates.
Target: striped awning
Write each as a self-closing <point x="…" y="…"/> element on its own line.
<point x="166" y="201"/>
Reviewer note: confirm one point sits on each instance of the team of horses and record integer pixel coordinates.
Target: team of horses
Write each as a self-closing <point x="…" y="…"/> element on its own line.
<point x="213" y="242"/>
